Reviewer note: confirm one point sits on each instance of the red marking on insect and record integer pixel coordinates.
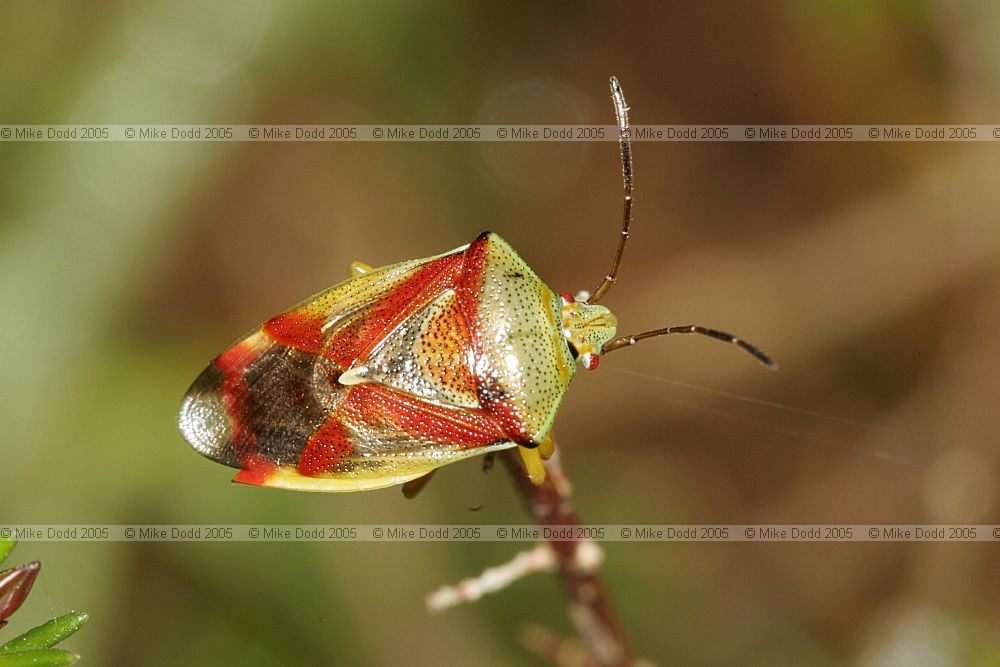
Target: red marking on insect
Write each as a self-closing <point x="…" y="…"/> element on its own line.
<point x="256" y="471"/>
<point x="375" y="405"/>
<point x="330" y="446"/>
<point x="383" y="378"/>
<point x="298" y="331"/>
<point x="363" y="333"/>
<point x="235" y="394"/>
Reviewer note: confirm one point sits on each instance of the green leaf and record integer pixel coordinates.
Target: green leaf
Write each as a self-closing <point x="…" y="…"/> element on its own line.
<point x="45" y="658"/>
<point x="46" y="635"/>
<point x="6" y="546"/>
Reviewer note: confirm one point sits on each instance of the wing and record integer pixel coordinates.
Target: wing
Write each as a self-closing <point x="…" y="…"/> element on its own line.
<point x="274" y="404"/>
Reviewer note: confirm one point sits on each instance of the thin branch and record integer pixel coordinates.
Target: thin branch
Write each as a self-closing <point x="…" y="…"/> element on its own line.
<point x="578" y="562"/>
<point x="560" y="651"/>
<point x="538" y="559"/>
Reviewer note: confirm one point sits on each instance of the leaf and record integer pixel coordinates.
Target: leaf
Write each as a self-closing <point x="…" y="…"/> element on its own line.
<point x="46" y="635"/>
<point x="6" y="546"/>
<point x="44" y="658"/>
<point x="15" y="584"/>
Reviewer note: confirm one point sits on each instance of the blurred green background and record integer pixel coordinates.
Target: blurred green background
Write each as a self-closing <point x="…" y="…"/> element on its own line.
<point x="870" y="270"/>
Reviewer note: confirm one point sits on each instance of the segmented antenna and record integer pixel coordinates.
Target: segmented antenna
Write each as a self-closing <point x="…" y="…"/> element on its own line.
<point x="753" y="350"/>
<point x="625" y="143"/>
<point x="621" y="113"/>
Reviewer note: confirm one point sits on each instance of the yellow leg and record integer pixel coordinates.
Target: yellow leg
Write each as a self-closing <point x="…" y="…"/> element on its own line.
<point x="547" y="448"/>
<point x="532" y="460"/>
<point x="358" y="269"/>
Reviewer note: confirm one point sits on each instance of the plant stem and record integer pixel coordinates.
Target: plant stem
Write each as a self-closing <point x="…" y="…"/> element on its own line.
<point x="578" y="562"/>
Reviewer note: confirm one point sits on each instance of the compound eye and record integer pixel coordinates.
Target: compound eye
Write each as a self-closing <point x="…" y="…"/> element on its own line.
<point x="566" y="297"/>
<point x="590" y="360"/>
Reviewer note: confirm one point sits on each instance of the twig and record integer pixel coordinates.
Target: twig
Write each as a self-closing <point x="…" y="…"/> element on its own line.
<point x="577" y="561"/>
<point x="559" y="651"/>
<point x="539" y="559"/>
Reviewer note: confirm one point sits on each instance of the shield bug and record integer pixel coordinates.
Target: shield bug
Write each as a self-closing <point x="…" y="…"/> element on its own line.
<point x="399" y="370"/>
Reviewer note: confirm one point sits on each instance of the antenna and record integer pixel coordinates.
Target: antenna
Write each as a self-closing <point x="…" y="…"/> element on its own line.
<point x="624" y="141"/>
<point x="621" y="113"/>
<point x="753" y="350"/>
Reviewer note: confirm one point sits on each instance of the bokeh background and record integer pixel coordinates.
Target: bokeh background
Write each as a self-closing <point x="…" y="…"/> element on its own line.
<point x="870" y="270"/>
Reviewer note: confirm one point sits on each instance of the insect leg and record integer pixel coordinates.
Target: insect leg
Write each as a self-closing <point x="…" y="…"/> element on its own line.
<point x="532" y="460"/>
<point x="415" y="486"/>
<point x="358" y="269"/>
<point x="547" y="448"/>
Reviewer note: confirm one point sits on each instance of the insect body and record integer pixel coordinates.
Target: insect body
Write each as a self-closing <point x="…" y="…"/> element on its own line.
<point x="399" y="370"/>
<point x="391" y="374"/>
